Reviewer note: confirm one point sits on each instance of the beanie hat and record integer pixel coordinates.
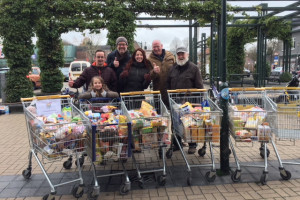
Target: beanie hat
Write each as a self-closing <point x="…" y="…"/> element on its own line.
<point x="121" y="39"/>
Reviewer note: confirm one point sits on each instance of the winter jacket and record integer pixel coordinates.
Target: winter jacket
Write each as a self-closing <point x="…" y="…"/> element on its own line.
<point x="105" y="72"/>
<point x="107" y="93"/>
<point x="160" y="80"/>
<point x="185" y="77"/>
<point x="123" y="60"/>
<point x="135" y="81"/>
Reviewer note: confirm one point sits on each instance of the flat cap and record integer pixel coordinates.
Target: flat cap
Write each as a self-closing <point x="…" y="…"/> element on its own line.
<point x="181" y="50"/>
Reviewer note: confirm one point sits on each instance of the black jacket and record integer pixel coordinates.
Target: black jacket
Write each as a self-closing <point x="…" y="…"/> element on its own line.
<point x="184" y="77"/>
<point x="135" y="80"/>
<point x="122" y="60"/>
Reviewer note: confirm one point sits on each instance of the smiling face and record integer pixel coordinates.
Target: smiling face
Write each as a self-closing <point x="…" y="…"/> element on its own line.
<point x="157" y="47"/>
<point x="122" y="47"/>
<point x="97" y="84"/>
<point x="100" y="59"/>
<point x="139" y="56"/>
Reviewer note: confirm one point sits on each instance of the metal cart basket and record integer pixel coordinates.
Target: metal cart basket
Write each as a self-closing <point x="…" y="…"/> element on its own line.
<point x="56" y="129"/>
<point x="150" y="125"/>
<point x="108" y="144"/>
<point x="286" y="100"/>
<point x="196" y="119"/>
<point x="253" y="119"/>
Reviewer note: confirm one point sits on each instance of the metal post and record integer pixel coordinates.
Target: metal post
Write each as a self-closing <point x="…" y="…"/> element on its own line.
<point x="264" y="61"/>
<point x="212" y="51"/>
<point x="195" y="54"/>
<point x="204" y="47"/>
<point x="224" y="135"/>
<point x="219" y="63"/>
<point x="190" y="40"/>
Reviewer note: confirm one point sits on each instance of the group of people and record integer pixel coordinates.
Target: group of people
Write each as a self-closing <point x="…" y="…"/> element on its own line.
<point x="122" y="72"/>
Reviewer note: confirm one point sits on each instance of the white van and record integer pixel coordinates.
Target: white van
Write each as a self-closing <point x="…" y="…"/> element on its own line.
<point x="76" y="68"/>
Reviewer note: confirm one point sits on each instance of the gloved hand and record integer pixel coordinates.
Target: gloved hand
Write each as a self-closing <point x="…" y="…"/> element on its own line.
<point x="147" y="77"/>
<point x="124" y="74"/>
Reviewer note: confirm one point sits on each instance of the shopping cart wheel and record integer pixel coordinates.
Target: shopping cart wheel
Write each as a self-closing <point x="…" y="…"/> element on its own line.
<point x="263" y="178"/>
<point x="285" y="174"/>
<point x="26" y="173"/>
<point x="236" y="176"/>
<point x="68" y="164"/>
<point x="162" y="180"/>
<point x="169" y="153"/>
<point x="124" y="189"/>
<point x="262" y="152"/>
<point x="202" y="151"/>
<point x="141" y="183"/>
<point x="49" y="197"/>
<point x="77" y="191"/>
<point x="81" y="161"/>
<point x="210" y="176"/>
<point x="93" y="192"/>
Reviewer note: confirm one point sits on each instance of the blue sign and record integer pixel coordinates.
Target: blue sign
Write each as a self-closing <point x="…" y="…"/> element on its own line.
<point x="225" y="93"/>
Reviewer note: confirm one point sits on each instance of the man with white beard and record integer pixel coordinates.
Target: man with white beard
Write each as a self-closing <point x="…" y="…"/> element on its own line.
<point x="184" y="75"/>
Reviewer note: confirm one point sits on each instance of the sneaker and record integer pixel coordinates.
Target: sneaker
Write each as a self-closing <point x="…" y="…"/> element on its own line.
<point x="192" y="150"/>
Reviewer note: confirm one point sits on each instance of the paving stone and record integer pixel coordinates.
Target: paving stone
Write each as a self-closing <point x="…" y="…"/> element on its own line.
<point x="12" y="192"/>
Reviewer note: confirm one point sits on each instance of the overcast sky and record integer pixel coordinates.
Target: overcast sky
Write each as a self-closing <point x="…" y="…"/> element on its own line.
<point x="166" y="35"/>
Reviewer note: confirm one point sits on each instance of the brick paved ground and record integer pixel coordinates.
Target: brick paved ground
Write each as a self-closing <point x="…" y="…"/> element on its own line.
<point x="14" y="159"/>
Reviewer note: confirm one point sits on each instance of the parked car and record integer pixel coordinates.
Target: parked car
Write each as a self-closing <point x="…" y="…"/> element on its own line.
<point x="65" y="72"/>
<point x="34" y="77"/>
<point x="247" y="72"/>
<point x="76" y="68"/>
<point x="278" y="70"/>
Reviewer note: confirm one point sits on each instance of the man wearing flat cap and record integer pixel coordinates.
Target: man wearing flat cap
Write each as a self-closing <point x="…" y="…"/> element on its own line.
<point x="184" y="75"/>
<point x="118" y="58"/>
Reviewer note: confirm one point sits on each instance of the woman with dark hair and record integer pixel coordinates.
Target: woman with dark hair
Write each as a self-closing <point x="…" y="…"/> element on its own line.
<point x="136" y="74"/>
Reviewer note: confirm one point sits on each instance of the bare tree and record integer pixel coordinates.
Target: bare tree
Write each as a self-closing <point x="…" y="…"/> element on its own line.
<point x="91" y="43"/>
<point x="176" y="42"/>
<point x="272" y="47"/>
<point x="185" y="42"/>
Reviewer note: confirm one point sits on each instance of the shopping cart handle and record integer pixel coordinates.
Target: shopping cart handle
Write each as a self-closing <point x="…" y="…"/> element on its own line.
<point x="282" y="88"/>
<point x="138" y="93"/>
<point x="246" y="89"/>
<point x="103" y="99"/>
<point x="45" y="97"/>
<point x="186" y="90"/>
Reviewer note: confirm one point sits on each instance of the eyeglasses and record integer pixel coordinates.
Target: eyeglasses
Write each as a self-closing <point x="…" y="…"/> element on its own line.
<point x="122" y="45"/>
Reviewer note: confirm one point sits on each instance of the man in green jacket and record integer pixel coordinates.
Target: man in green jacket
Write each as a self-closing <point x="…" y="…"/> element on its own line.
<point x="162" y="61"/>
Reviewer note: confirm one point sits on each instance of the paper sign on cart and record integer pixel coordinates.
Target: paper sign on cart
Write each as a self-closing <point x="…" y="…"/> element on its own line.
<point x="48" y="107"/>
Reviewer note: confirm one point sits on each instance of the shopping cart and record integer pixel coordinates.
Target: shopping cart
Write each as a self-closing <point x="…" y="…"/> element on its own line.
<point x="56" y="129"/>
<point x="286" y="100"/>
<point x="108" y="144"/>
<point x="196" y="119"/>
<point x="150" y="124"/>
<point x="253" y="119"/>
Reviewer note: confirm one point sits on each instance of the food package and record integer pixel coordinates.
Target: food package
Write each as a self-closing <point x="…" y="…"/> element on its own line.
<point x="215" y="133"/>
<point x="264" y="133"/>
<point x="193" y="130"/>
<point x="137" y="123"/>
<point x="243" y="134"/>
<point x="156" y="122"/>
<point x="67" y="113"/>
<point x="149" y="140"/>
<point x="187" y="107"/>
<point x="201" y="134"/>
<point x="146" y="130"/>
<point x="251" y="123"/>
<point x="123" y="131"/>
<point x="137" y="143"/>
<point x="147" y="110"/>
